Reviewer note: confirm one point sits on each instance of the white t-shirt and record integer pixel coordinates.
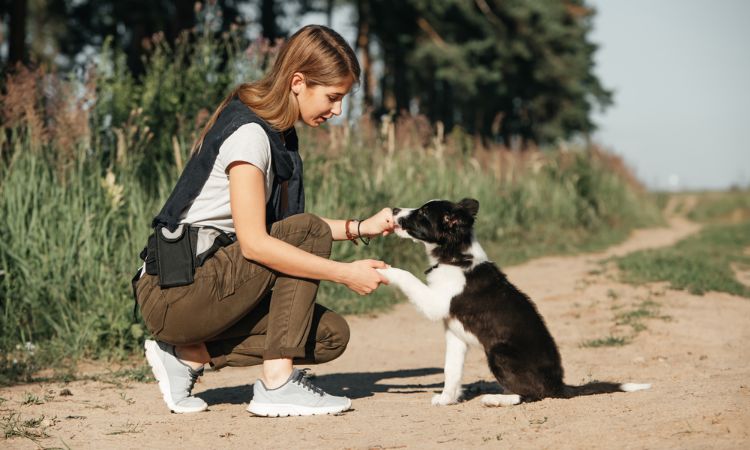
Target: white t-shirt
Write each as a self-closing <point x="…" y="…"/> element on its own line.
<point x="211" y="207"/>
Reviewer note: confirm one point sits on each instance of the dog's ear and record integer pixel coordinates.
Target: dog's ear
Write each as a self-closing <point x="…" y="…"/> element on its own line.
<point x="470" y="205"/>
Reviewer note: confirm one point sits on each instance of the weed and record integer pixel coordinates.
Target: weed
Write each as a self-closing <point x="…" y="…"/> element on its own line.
<point x="126" y="399"/>
<point x="33" y="428"/>
<point x="120" y="378"/>
<point x="31" y="399"/>
<point x="612" y="295"/>
<point x="538" y="421"/>
<point x="609" y="341"/>
<point x="128" y="428"/>
<point x="497" y="437"/>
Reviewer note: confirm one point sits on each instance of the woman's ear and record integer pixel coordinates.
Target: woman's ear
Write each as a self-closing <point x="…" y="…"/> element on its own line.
<point x="298" y="83"/>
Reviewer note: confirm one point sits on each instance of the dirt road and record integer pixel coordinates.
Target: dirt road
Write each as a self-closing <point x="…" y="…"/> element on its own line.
<point x="693" y="349"/>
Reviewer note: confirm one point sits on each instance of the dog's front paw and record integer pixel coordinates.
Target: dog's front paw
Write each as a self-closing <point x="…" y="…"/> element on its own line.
<point x="393" y="274"/>
<point x="444" y="399"/>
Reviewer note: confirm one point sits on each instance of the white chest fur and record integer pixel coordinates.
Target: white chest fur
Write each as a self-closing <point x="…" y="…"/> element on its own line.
<point x="446" y="281"/>
<point x="458" y="329"/>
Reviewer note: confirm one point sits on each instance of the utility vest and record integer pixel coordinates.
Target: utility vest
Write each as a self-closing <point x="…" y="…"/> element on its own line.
<point x="287" y="167"/>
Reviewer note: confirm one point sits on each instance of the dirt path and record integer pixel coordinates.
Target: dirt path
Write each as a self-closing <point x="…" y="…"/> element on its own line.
<point x="693" y="349"/>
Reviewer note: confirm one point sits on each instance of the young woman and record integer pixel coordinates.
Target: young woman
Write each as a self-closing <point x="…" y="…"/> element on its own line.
<point x="253" y="301"/>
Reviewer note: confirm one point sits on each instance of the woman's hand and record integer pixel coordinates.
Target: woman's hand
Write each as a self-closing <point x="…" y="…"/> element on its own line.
<point x="361" y="276"/>
<point x="381" y="224"/>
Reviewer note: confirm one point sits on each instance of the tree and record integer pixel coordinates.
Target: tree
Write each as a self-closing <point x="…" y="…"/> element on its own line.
<point x="500" y="69"/>
<point x="17" y="31"/>
<point x="79" y="24"/>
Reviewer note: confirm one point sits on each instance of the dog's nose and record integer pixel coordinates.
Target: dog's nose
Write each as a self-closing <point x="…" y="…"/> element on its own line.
<point x="395" y="211"/>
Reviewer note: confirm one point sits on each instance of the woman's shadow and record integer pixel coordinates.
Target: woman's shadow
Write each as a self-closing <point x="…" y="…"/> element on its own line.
<point x="356" y="385"/>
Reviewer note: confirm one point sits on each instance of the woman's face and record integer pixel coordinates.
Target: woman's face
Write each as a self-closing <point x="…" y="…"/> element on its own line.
<point x="319" y="103"/>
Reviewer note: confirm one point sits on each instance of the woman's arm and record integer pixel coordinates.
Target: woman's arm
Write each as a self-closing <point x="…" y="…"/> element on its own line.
<point x="381" y="224"/>
<point x="247" y="199"/>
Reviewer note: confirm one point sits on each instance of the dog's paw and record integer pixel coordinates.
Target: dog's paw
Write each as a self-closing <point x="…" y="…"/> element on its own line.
<point x="444" y="399"/>
<point x="393" y="274"/>
<point x="501" y="399"/>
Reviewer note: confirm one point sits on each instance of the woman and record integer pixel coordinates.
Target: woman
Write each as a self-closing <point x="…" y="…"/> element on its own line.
<point x="253" y="301"/>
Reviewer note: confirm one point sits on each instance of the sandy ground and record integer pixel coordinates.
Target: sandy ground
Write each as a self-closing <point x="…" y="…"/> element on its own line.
<point x="694" y="350"/>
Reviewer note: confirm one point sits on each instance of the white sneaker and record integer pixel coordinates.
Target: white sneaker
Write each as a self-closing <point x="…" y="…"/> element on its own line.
<point x="297" y="397"/>
<point x="176" y="379"/>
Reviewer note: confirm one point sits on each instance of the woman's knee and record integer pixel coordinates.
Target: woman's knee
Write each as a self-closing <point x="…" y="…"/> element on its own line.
<point x="307" y="231"/>
<point x="317" y="226"/>
<point x="334" y="333"/>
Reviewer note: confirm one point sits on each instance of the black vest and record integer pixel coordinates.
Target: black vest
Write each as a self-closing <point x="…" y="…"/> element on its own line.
<point x="287" y="166"/>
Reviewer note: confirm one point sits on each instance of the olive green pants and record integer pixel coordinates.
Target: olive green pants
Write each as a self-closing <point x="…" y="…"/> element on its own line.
<point x="245" y="312"/>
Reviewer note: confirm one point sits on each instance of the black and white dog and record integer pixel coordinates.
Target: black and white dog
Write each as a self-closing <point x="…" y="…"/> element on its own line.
<point x="479" y="306"/>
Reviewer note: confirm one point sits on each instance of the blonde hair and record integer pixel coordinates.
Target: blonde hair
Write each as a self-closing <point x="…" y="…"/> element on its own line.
<point x="315" y="51"/>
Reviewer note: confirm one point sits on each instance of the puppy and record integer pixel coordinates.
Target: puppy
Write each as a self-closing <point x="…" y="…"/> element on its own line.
<point x="479" y="306"/>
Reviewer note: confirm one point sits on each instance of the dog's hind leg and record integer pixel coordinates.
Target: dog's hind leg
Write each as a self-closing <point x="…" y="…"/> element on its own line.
<point x="501" y="399"/>
<point x="455" y="353"/>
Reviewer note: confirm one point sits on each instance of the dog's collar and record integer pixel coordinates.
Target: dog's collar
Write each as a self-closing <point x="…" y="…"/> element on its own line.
<point x="431" y="268"/>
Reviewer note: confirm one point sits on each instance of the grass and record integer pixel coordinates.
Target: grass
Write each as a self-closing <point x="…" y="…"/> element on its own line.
<point x="634" y="318"/>
<point x="14" y="425"/>
<point x="730" y="206"/>
<point x="609" y="341"/>
<point x="33" y="399"/>
<point x="128" y="428"/>
<point x="647" y="309"/>
<point x="698" y="264"/>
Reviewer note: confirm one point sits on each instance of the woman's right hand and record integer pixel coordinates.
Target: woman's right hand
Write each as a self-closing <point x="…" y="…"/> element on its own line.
<point x="361" y="276"/>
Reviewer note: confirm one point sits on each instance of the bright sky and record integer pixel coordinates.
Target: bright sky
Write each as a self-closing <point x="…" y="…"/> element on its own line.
<point x="680" y="70"/>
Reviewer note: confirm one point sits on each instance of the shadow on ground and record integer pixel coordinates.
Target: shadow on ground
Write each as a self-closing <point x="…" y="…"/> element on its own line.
<point x="358" y="385"/>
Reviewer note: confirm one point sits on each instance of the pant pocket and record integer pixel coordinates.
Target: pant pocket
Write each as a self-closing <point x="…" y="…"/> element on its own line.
<point x="224" y="270"/>
<point x="154" y="311"/>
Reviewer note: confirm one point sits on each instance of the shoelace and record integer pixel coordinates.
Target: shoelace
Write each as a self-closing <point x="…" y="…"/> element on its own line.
<point x="304" y="380"/>
<point x="194" y="374"/>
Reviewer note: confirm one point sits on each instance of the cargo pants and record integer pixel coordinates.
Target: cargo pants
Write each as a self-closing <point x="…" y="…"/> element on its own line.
<point x="246" y="312"/>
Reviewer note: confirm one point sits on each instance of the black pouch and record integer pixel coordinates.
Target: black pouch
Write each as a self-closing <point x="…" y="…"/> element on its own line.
<point x="174" y="256"/>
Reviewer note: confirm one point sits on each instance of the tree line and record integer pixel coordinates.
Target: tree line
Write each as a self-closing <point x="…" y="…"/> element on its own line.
<point x="517" y="72"/>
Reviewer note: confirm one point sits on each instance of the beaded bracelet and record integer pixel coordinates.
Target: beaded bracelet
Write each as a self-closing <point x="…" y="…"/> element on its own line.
<point x="350" y="236"/>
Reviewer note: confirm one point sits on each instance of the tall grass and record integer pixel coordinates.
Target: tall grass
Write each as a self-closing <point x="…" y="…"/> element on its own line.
<point x="86" y="161"/>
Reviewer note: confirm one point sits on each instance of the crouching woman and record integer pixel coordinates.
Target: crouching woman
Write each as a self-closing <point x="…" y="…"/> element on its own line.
<point x="259" y="258"/>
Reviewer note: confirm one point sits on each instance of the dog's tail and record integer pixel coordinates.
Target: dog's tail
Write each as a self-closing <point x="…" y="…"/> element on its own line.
<point x="602" y="387"/>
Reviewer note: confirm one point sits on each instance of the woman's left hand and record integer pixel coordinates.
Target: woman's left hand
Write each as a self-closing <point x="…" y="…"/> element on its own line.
<point x="381" y="224"/>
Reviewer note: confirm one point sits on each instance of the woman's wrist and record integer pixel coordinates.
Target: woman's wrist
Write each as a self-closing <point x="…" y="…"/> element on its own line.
<point x="338" y="274"/>
<point x="363" y="229"/>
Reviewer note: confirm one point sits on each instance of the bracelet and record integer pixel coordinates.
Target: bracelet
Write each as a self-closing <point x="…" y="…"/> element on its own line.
<point x="366" y="242"/>
<point x="350" y="236"/>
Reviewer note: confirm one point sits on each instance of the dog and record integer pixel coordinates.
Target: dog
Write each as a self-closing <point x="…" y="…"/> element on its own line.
<point x="479" y="306"/>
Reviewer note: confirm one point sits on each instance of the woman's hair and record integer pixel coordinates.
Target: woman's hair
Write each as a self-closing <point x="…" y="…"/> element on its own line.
<point x="315" y="51"/>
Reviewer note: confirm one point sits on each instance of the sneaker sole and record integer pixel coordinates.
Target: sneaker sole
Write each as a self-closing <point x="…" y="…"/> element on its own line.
<point x="286" y="410"/>
<point x="160" y="373"/>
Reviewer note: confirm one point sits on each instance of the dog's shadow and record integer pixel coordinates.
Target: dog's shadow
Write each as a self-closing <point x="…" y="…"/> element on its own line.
<point x="357" y="385"/>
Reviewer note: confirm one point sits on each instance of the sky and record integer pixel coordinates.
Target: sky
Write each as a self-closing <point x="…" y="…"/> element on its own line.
<point x="680" y="71"/>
